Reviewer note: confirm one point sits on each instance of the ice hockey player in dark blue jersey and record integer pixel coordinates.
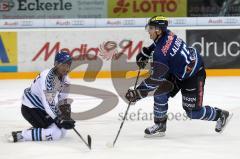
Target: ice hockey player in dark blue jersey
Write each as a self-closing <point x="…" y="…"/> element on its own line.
<point x="45" y="104"/>
<point x="175" y="67"/>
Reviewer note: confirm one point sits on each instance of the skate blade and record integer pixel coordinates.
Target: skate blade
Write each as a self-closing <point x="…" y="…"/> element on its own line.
<point x="158" y="134"/>
<point x="228" y="119"/>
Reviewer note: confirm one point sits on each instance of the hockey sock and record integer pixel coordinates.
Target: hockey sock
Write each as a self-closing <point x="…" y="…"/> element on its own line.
<point x="205" y="113"/>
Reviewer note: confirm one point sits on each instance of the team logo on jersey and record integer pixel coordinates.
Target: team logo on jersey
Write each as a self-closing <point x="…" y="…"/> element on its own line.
<point x="50" y="96"/>
<point x="8" y="51"/>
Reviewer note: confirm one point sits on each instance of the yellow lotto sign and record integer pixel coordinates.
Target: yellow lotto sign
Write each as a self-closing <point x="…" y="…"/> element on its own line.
<point x="8" y="51"/>
<point x="146" y="8"/>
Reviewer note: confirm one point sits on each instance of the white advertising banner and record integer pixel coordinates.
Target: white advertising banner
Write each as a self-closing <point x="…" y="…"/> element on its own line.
<point x="115" y="22"/>
<point x="121" y="22"/>
<point x="36" y="48"/>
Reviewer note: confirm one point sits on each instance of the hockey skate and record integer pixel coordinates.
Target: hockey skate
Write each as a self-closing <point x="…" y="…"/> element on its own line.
<point x="15" y="136"/>
<point x="222" y="121"/>
<point x="158" y="129"/>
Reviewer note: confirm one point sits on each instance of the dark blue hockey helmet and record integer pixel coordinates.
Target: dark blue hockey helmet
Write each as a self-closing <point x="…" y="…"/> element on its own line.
<point x="62" y="57"/>
<point x="160" y="22"/>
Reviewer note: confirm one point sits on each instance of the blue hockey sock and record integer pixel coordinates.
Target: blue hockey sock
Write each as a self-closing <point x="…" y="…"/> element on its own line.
<point x="205" y="113"/>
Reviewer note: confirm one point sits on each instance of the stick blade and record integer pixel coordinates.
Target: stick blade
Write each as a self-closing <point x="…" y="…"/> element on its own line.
<point x="109" y="145"/>
<point x="89" y="141"/>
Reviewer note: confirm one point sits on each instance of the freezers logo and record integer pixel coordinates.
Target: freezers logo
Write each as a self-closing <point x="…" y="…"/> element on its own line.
<point x="8" y="51"/>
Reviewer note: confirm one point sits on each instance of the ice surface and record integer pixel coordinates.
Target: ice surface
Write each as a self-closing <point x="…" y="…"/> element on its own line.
<point x="184" y="138"/>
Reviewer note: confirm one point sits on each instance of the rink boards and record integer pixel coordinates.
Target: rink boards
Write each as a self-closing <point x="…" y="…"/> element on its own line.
<point x="24" y="53"/>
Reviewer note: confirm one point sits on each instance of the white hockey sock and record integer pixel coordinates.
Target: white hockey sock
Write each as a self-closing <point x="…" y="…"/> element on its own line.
<point x="41" y="134"/>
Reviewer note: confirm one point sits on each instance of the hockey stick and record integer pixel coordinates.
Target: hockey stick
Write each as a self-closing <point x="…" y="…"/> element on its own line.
<point x="89" y="139"/>
<point x="125" y="115"/>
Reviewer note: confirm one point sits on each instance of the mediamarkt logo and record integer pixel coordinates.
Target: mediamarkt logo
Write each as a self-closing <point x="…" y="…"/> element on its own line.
<point x="39" y="5"/>
<point x="145" y="6"/>
<point x="84" y="52"/>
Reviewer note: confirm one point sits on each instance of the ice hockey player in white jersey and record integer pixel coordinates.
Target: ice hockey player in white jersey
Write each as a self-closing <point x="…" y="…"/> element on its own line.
<point x="45" y="105"/>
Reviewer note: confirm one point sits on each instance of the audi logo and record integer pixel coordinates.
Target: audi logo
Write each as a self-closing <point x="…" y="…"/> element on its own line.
<point x="78" y="22"/>
<point x="27" y="23"/>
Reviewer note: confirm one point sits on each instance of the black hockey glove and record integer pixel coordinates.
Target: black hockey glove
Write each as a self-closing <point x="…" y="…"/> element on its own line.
<point x="135" y="95"/>
<point x="66" y="124"/>
<point x="64" y="119"/>
<point x="143" y="57"/>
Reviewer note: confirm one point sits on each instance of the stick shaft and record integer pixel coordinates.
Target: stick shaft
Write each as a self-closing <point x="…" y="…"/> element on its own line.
<point x="125" y="115"/>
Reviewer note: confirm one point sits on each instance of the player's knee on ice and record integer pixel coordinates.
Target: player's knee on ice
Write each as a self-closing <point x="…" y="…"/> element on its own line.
<point x="54" y="132"/>
<point x="42" y="134"/>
